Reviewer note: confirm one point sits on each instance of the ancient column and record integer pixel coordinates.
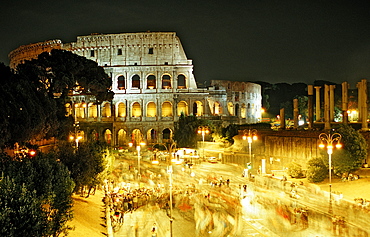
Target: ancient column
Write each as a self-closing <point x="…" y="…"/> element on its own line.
<point x="295" y="113"/>
<point x="362" y="103"/>
<point x="282" y="118"/>
<point x="318" y="106"/>
<point x="331" y="103"/>
<point x="359" y="102"/>
<point x="345" y="102"/>
<point x="310" y="106"/>
<point x="326" y="107"/>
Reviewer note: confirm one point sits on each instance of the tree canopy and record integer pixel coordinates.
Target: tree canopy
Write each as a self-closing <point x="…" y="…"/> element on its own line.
<point x="85" y="163"/>
<point x="354" y="151"/>
<point x="35" y="196"/>
<point x="32" y="98"/>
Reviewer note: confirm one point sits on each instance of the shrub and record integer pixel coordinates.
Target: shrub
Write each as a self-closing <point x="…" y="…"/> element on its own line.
<point x="295" y="170"/>
<point x="316" y="170"/>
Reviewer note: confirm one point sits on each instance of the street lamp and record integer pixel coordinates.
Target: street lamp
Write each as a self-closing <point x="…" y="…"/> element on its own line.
<point x="76" y="139"/>
<point x="328" y="141"/>
<point x="203" y="130"/>
<point x="250" y="136"/>
<point x="170" y="171"/>
<point x="138" y="148"/>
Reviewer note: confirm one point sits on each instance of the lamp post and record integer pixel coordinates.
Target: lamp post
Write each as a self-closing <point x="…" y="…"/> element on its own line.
<point x="138" y="148"/>
<point x="76" y="138"/>
<point x="170" y="171"/>
<point x="203" y="130"/>
<point x="328" y="141"/>
<point x="250" y="136"/>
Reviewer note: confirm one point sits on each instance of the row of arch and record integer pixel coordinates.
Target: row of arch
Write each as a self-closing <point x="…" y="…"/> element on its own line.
<point x="122" y="139"/>
<point x="151" y="109"/>
<point x="151" y="82"/>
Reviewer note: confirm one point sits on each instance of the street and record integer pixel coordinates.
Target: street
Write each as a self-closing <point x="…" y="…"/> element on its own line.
<point x="203" y="205"/>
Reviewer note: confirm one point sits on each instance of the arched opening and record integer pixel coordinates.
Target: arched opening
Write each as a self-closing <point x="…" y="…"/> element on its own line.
<point x="121" y="110"/>
<point x="121" y="82"/>
<point x="92" y="110"/>
<point x="181" y="82"/>
<point x="68" y="109"/>
<point x="166" y="135"/>
<point x="198" y="108"/>
<point x="217" y="108"/>
<point x="135" y="82"/>
<point x="236" y="110"/>
<point x="230" y="108"/>
<point x="80" y="110"/>
<point x="151" y="136"/>
<point x="121" y="138"/>
<point x="166" y="82"/>
<point x="151" y="82"/>
<point x="136" y="137"/>
<point x="106" y="111"/>
<point x="94" y="135"/>
<point x="243" y="111"/>
<point x="182" y="107"/>
<point x="108" y="136"/>
<point x="166" y="109"/>
<point x="151" y="109"/>
<point x="136" y="110"/>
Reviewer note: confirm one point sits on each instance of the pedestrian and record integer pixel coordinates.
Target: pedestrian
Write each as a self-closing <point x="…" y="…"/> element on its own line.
<point x="228" y="182"/>
<point x="154" y="230"/>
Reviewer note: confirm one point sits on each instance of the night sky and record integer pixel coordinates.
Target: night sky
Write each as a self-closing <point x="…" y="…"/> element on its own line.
<point x="273" y="41"/>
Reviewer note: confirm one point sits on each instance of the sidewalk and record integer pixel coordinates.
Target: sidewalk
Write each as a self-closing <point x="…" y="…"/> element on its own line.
<point x="350" y="189"/>
<point x="88" y="216"/>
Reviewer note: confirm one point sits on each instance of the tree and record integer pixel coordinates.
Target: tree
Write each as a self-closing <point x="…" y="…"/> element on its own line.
<point x="185" y="134"/>
<point x="32" y="99"/>
<point x="229" y="132"/>
<point x="354" y="151"/>
<point x="35" y="197"/>
<point x="60" y="71"/>
<point x="85" y="163"/>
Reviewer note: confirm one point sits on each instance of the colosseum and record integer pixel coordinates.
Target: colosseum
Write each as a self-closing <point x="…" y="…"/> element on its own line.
<point x="154" y="84"/>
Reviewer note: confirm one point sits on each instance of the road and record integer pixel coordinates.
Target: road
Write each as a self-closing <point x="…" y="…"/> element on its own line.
<point x="260" y="211"/>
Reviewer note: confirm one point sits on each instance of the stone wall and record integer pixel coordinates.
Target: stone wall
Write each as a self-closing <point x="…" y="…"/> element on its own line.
<point x="278" y="148"/>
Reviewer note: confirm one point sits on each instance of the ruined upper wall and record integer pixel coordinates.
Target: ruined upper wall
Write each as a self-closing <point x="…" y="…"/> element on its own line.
<point x="31" y="51"/>
<point x="147" y="48"/>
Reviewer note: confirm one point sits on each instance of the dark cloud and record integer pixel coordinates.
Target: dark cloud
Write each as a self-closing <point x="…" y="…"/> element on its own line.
<point x="274" y="41"/>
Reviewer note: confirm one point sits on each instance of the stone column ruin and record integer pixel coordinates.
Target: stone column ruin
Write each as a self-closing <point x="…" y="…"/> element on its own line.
<point x="318" y="105"/>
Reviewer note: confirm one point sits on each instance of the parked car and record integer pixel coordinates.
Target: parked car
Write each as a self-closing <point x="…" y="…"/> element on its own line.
<point x="212" y="159"/>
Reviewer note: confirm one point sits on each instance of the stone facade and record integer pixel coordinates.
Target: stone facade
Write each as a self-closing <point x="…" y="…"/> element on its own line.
<point x="154" y="84"/>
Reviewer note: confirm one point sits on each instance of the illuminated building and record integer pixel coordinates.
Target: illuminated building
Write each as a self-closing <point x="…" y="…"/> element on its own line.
<point x="153" y="83"/>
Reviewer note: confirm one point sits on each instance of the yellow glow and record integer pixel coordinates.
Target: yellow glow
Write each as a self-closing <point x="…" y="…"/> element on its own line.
<point x="338" y="145"/>
<point x="322" y="145"/>
<point x="130" y="144"/>
<point x="71" y="137"/>
<point x="255" y="138"/>
<point x="155" y="162"/>
<point x="330" y="147"/>
<point x="142" y="143"/>
<point x="244" y="137"/>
